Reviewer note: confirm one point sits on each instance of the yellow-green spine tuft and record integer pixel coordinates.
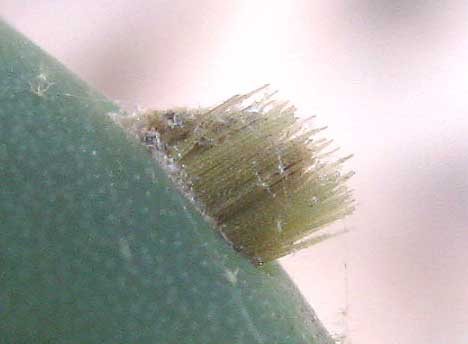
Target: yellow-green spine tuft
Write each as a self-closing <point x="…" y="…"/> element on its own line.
<point x="263" y="176"/>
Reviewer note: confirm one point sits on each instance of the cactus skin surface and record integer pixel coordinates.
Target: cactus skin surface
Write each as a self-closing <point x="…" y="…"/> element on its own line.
<point x="97" y="246"/>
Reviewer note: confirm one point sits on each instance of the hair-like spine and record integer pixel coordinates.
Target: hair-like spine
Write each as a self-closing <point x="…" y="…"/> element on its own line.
<point x="265" y="178"/>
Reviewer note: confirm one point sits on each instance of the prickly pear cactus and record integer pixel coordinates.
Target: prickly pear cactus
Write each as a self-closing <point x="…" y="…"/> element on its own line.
<point x="97" y="246"/>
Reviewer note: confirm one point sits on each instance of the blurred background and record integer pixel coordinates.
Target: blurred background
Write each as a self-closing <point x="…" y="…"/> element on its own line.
<point x="389" y="78"/>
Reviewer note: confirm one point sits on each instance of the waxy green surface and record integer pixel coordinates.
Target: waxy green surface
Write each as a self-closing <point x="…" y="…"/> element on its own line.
<point x="96" y="246"/>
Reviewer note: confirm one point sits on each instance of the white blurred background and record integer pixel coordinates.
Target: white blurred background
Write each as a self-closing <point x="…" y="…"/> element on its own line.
<point x="389" y="78"/>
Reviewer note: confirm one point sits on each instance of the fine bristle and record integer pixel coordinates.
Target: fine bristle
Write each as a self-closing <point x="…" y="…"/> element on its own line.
<point x="262" y="175"/>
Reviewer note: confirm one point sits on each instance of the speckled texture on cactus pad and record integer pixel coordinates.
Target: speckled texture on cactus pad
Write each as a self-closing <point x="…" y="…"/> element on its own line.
<point x="96" y="246"/>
